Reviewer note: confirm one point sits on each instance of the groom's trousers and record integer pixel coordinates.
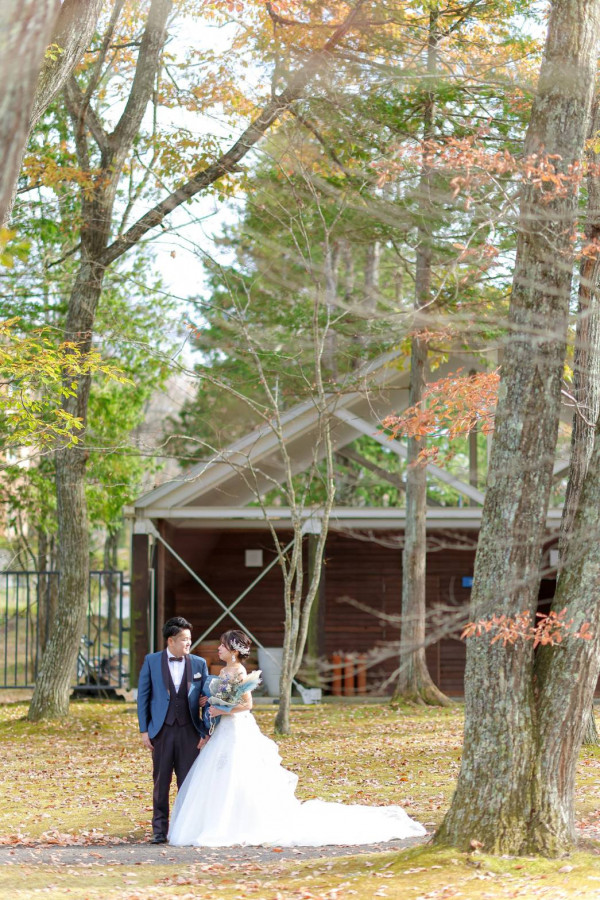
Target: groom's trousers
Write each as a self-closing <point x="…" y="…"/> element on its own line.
<point x="175" y="750"/>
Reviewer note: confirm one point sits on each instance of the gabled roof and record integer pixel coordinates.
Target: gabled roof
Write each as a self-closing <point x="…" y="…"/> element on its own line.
<point x="234" y="475"/>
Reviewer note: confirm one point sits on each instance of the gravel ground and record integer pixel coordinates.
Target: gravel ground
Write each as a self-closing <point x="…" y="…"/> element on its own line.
<point x="149" y="854"/>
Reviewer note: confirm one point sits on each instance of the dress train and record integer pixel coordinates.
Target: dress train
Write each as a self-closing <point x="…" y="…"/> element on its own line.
<point x="237" y="792"/>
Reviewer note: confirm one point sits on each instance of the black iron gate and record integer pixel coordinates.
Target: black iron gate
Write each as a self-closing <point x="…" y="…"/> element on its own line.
<point x="27" y="601"/>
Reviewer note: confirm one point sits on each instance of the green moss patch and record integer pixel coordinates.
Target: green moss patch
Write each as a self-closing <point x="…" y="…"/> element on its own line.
<point x="421" y="873"/>
<point x="88" y="780"/>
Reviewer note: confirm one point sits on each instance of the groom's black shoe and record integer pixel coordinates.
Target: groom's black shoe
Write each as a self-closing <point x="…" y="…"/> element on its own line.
<point x="158" y="839"/>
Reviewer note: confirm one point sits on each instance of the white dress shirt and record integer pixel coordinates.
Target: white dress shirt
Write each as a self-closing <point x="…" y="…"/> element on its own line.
<point x="176" y="669"/>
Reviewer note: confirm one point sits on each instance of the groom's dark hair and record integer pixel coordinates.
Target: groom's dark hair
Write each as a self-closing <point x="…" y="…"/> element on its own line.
<point x="173" y="626"/>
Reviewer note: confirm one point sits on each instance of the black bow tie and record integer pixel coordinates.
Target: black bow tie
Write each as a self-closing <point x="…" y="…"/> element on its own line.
<point x="176" y="659"/>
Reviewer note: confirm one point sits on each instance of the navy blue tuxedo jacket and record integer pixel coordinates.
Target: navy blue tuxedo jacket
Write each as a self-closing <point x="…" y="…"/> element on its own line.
<point x="153" y="692"/>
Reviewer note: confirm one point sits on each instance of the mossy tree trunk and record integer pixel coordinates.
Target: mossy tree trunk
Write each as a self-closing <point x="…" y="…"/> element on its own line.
<point x="509" y="746"/>
<point x="586" y="367"/>
<point x="567" y="675"/>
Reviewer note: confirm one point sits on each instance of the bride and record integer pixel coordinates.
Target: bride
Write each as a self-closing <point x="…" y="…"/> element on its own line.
<point x="237" y="791"/>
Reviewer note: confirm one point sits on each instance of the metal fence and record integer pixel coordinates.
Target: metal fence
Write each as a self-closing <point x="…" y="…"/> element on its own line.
<point x="27" y="603"/>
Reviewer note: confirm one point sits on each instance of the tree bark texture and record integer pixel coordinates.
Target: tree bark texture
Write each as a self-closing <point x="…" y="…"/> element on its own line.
<point x="25" y="29"/>
<point x="591" y="738"/>
<point x="556" y="760"/>
<point x="586" y="358"/>
<point x="586" y="368"/>
<point x="47" y="588"/>
<point x="498" y="797"/>
<point x="73" y="32"/>
<point x="52" y="687"/>
<point x="473" y="457"/>
<point x="414" y="681"/>
<point x="69" y="38"/>
<point x="566" y="676"/>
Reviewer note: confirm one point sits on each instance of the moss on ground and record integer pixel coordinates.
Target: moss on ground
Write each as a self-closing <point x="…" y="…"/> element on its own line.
<point x="89" y="777"/>
<point x="421" y="873"/>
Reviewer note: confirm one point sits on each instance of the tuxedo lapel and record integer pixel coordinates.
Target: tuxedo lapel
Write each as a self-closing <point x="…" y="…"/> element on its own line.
<point x="164" y="664"/>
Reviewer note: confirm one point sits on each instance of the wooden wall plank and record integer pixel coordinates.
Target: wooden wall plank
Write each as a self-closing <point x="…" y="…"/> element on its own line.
<point x="363" y="579"/>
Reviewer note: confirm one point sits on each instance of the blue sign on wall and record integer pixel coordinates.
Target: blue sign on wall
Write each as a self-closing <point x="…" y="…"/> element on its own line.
<point x="467" y="581"/>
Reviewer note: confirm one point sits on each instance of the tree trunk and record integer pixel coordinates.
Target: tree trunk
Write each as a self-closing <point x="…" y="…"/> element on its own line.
<point x="414" y="681"/>
<point x="298" y="599"/>
<point x="45" y="593"/>
<point x="25" y="29"/>
<point x="586" y="368"/>
<point x="111" y="546"/>
<point x="473" y="457"/>
<point x="591" y="738"/>
<point x="578" y="559"/>
<point x="282" y="719"/>
<point x="331" y="261"/>
<point x="73" y="30"/>
<point x="567" y="675"/>
<point x="51" y="693"/>
<point x="315" y="637"/>
<point x="292" y="600"/>
<point x="498" y="804"/>
<point x="586" y="358"/>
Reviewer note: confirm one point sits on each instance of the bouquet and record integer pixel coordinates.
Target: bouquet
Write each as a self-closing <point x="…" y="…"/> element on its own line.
<point x="226" y="693"/>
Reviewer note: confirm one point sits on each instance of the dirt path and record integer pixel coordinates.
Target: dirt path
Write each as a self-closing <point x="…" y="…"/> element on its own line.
<point x="148" y="854"/>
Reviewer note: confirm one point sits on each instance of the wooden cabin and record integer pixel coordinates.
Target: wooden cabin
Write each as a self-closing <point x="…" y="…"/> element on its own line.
<point x="199" y="549"/>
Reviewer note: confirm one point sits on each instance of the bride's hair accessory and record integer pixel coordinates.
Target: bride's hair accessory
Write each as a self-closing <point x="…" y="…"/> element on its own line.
<point x="235" y="645"/>
<point x="237" y="641"/>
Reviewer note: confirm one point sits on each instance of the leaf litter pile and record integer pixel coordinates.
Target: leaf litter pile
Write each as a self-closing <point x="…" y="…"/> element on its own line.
<point x="87" y="782"/>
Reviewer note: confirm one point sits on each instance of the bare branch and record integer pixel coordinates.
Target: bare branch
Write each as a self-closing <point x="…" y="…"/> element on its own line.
<point x="315" y="131"/>
<point x="143" y="81"/>
<point x="280" y="20"/>
<point x="83" y="114"/>
<point x="229" y="160"/>
<point x="97" y="70"/>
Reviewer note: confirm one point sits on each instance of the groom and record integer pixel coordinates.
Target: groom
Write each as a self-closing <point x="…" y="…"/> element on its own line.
<point x="169" y="700"/>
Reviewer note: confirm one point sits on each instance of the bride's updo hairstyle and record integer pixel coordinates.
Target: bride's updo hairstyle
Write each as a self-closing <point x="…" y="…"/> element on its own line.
<point x="238" y="642"/>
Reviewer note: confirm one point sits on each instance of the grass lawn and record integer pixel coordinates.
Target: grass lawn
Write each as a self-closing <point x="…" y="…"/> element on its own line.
<point x="89" y="778"/>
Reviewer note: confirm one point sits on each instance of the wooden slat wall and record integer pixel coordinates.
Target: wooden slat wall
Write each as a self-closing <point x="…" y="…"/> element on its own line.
<point x="449" y="566"/>
<point x="366" y="572"/>
<point x="371" y="574"/>
<point x="218" y="557"/>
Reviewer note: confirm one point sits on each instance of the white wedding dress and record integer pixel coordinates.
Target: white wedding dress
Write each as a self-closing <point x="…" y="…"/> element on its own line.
<point x="237" y="792"/>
